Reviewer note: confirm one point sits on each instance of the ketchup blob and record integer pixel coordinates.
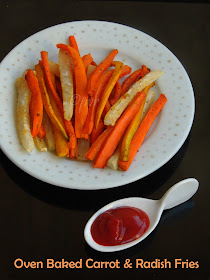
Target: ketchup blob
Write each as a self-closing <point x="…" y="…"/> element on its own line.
<point x="119" y="226"/>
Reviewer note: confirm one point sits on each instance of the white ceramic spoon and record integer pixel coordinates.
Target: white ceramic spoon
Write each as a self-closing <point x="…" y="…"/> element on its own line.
<point x="176" y="195"/>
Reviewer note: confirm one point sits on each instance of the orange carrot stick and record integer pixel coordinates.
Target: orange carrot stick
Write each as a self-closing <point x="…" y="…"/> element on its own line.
<point x="94" y="100"/>
<point x="131" y="130"/>
<point x="36" y="102"/>
<point x="126" y="70"/>
<point x="73" y="153"/>
<point x="95" y="148"/>
<point x="135" y="76"/>
<point x="142" y="130"/>
<point x="129" y="80"/>
<point x="103" y="80"/>
<point x="110" y="85"/>
<point x="96" y="132"/>
<point x="113" y="140"/>
<point x="45" y="63"/>
<point x="73" y="147"/>
<point x="73" y="43"/>
<point x="98" y="89"/>
<point x="106" y="108"/>
<point x="89" y="123"/>
<point x="41" y="134"/>
<point x="117" y="93"/>
<point x="61" y="143"/>
<point x="87" y="59"/>
<point x="81" y="106"/>
<point x="93" y="63"/>
<point x="103" y="66"/>
<point x="49" y="103"/>
<point x="145" y="71"/>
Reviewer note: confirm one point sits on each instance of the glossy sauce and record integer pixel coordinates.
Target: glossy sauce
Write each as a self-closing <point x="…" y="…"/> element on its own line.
<point x="119" y="226"/>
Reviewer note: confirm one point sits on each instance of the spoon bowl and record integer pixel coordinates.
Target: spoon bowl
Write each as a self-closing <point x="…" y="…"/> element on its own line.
<point x="176" y="195"/>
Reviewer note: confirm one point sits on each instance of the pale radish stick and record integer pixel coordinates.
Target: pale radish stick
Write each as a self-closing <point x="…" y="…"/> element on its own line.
<point x="83" y="147"/>
<point x="54" y="68"/>
<point x="66" y="77"/>
<point x="150" y="99"/>
<point x="40" y="144"/>
<point x="113" y="161"/>
<point x="117" y="109"/>
<point x="23" y="118"/>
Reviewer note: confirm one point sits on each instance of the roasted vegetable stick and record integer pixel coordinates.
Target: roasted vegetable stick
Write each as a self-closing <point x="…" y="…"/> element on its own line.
<point x="83" y="147"/>
<point x="73" y="43"/>
<point x="118" y="130"/>
<point x="134" y="77"/>
<point x="61" y="143"/>
<point x="113" y="161"/>
<point x="49" y="137"/>
<point x="23" y="118"/>
<point x="94" y="100"/>
<point x="73" y="147"/>
<point x="87" y="59"/>
<point x="142" y="131"/>
<point x="58" y="87"/>
<point x="126" y="70"/>
<point x="66" y="78"/>
<point x="36" y="104"/>
<point x="96" y="132"/>
<point x="118" y="108"/>
<point x="81" y="106"/>
<point x="131" y="130"/>
<point x="54" y="68"/>
<point x="95" y="148"/>
<point x="56" y="110"/>
<point x="93" y="63"/>
<point x="150" y="99"/>
<point x="104" y="98"/>
<point x="46" y="100"/>
<point x="99" y="87"/>
<point x="117" y="93"/>
<point x="40" y="144"/>
<point x="106" y="108"/>
<point x="45" y="63"/>
<point x="41" y="134"/>
<point x="103" y="66"/>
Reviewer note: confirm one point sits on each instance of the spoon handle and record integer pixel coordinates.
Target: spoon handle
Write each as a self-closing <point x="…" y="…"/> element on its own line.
<point x="179" y="193"/>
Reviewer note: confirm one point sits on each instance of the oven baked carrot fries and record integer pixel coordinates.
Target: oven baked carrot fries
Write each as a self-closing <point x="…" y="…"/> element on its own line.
<point x="87" y="111"/>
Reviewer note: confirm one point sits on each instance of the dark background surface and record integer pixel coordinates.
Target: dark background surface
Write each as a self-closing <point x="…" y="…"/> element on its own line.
<point x="40" y="221"/>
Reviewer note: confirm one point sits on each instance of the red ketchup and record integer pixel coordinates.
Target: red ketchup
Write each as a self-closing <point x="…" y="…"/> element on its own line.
<point x="119" y="226"/>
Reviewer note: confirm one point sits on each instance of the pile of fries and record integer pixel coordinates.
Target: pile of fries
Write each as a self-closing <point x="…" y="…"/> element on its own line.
<point x="84" y="111"/>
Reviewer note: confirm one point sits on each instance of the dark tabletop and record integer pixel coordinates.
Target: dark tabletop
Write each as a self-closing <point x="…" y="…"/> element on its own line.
<point x="40" y="221"/>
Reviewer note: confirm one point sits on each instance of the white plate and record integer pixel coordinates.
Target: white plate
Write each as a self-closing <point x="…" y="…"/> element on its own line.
<point x="166" y="136"/>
